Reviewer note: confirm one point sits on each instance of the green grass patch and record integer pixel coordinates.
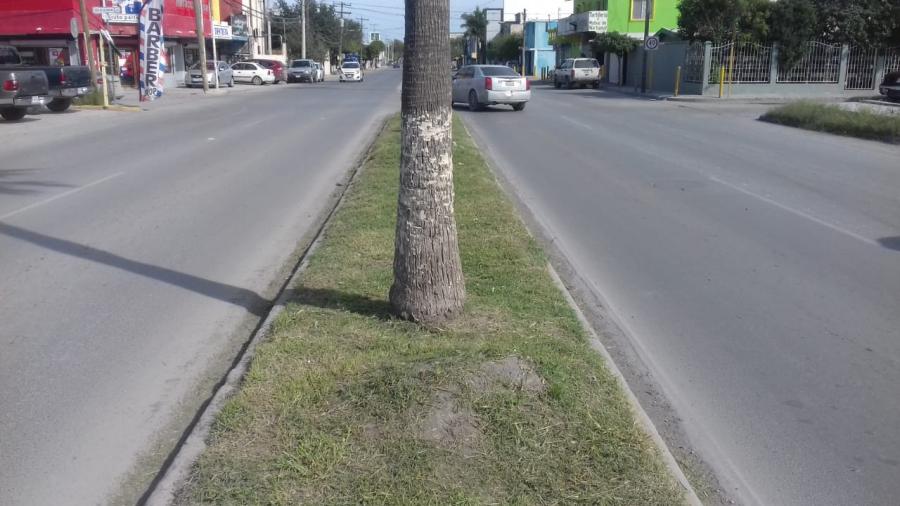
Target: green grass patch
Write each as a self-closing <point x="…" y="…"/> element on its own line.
<point x="507" y="405"/>
<point x="833" y="119"/>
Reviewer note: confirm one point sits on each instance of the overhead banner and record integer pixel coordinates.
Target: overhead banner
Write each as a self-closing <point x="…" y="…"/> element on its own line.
<point x="152" y="50"/>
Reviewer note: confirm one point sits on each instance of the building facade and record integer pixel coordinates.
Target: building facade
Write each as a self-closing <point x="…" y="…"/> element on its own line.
<point x="536" y="10"/>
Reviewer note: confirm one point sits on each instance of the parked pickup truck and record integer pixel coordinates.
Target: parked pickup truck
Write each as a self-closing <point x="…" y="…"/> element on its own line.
<point x="580" y="71"/>
<point x="20" y="87"/>
<point x="65" y="83"/>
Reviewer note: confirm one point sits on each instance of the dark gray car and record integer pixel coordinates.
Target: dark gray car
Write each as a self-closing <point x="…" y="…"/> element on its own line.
<point x="302" y="71"/>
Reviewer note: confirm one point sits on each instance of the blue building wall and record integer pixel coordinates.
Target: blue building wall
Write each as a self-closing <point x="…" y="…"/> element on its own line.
<point x="540" y="54"/>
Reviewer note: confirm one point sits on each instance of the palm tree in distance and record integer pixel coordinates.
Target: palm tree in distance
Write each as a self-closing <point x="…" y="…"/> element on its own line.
<point x="475" y="24"/>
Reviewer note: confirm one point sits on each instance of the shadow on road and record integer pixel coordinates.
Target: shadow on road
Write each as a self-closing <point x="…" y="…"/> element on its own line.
<point x="24" y="187"/>
<point x="890" y="242"/>
<point x="238" y="296"/>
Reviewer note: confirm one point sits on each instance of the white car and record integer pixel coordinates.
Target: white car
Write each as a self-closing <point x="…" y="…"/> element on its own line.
<point x="320" y="72"/>
<point x="350" y="71"/>
<point x="249" y="72"/>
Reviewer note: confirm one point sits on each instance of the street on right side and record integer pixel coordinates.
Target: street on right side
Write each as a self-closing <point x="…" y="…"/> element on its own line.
<point x="724" y="199"/>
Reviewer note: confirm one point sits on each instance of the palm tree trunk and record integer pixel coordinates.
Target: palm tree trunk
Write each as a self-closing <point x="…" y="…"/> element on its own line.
<point x="428" y="280"/>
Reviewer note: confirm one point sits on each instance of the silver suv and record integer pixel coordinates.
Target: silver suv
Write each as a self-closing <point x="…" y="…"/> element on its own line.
<point x="302" y="71"/>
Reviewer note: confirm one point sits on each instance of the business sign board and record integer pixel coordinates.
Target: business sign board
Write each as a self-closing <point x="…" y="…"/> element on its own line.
<point x="239" y="25"/>
<point x="126" y="12"/>
<point x="152" y="50"/>
<point x="222" y="31"/>
<point x="591" y="21"/>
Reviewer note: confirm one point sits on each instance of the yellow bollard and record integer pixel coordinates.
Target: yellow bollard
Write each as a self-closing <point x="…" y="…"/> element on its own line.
<point x="721" y="81"/>
<point x="677" y="79"/>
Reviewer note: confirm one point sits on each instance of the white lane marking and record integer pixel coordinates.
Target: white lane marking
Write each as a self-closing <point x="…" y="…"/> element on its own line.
<point x="797" y="212"/>
<point x="59" y="196"/>
<point x="577" y="123"/>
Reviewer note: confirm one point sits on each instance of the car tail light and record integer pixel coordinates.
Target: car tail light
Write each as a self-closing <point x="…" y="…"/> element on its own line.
<point x="488" y="83"/>
<point x="527" y="84"/>
<point x="62" y="76"/>
<point x="10" y="85"/>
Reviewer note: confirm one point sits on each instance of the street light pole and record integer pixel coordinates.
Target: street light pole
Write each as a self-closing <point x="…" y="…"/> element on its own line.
<point x="648" y="10"/>
<point x="303" y="28"/>
<point x="201" y="42"/>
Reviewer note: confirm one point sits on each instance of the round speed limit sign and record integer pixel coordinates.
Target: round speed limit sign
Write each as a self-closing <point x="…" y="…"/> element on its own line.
<point x="652" y="43"/>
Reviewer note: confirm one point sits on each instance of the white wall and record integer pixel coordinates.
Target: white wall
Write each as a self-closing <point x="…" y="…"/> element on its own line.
<point x="537" y="9"/>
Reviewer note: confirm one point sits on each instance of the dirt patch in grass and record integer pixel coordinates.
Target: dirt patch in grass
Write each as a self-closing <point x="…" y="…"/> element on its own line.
<point x="506" y="405"/>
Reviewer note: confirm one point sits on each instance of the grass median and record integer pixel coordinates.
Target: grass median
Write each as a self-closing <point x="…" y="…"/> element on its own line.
<point x="833" y="119"/>
<point x="507" y="405"/>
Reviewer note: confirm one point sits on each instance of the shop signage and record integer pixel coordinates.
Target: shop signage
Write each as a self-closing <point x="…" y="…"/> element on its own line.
<point x="591" y="21"/>
<point x="222" y="31"/>
<point x="152" y="50"/>
<point x="239" y="25"/>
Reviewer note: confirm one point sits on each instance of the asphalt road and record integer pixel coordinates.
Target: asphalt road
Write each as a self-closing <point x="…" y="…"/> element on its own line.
<point x="137" y="252"/>
<point x="755" y="269"/>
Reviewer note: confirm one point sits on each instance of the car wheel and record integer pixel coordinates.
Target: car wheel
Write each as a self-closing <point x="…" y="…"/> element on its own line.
<point x="257" y="80"/>
<point x="596" y="84"/>
<point x="569" y="83"/>
<point x="556" y="83"/>
<point x="519" y="107"/>
<point x="231" y="82"/>
<point x="59" y="104"/>
<point x="13" y="113"/>
<point x="474" y="104"/>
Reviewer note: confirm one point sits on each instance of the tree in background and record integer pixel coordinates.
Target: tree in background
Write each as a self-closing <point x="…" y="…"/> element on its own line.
<point x="864" y="22"/>
<point x="793" y="23"/>
<point x="458" y="49"/>
<point x="324" y="30"/>
<point x="373" y="50"/>
<point x="505" y="48"/>
<point x="724" y="20"/>
<point x="428" y="279"/>
<point x="475" y="24"/>
<point x="614" y="43"/>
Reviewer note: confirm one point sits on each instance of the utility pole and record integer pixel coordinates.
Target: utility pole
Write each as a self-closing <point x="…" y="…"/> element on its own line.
<point x="284" y="50"/>
<point x="88" y="51"/>
<point x="340" y="55"/>
<point x="524" y="17"/>
<point x="268" y="27"/>
<point x="648" y="10"/>
<point x="303" y="27"/>
<point x="212" y="32"/>
<point x="201" y="42"/>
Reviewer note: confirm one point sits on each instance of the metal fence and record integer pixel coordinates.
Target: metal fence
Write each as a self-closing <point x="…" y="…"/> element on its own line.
<point x="693" y="64"/>
<point x="742" y="63"/>
<point x="861" y="68"/>
<point x="820" y="64"/>
<point x="892" y="59"/>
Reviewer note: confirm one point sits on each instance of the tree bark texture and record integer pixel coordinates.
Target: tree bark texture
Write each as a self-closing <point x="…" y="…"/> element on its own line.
<point x="428" y="279"/>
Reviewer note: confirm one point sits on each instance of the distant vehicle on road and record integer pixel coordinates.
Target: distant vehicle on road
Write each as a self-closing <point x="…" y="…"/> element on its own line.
<point x="351" y="71"/>
<point x="483" y="85"/>
<point x="20" y="87"/>
<point x="890" y="86"/>
<point x="396" y="65"/>
<point x="277" y="67"/>
<point x="195" y="75"/>
<point x="320" y="72"/>
<point x="250" y="72"/>
<point x="64" y="82"/>
<point x="302" y="71"/>
<point x="577" y="71"/>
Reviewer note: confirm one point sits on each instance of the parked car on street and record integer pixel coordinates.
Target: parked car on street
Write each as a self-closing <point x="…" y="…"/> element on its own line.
<point x="890" y="86"/>
<point x="195" y="75"/>
<point x="250" y="72"/>
<point x="20" y="87"/>
<point x="277" y="67"/>
<point x="577" y="71"/>
<point x="302" y="71"/>
<point x="350" y="71"/>
<point x="64" y="82"/>
<point x="483" y="85"/>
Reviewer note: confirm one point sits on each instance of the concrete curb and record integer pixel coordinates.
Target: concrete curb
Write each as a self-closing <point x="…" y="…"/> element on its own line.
<point x="173" y="475"/>
<point x="643" y="418"/>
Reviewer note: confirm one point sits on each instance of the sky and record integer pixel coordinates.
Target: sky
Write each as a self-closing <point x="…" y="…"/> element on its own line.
<point x="386" y="16"/>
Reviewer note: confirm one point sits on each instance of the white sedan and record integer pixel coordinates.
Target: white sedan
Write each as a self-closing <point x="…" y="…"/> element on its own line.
<point x="351" y="71"/>
<point x="249" y="72"/>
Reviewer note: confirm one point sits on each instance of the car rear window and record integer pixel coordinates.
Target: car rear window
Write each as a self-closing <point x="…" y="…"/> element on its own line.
<point x="300" y="63"/>
<point x="8" y="56"/>
<point x="498" y="71"/>
<point x="586" y="64"/>
<point x="351" y="65"/>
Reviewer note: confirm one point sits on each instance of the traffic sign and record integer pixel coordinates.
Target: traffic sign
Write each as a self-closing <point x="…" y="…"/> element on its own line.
<point x="652" y="43"/>
<point x="106" y="10"/>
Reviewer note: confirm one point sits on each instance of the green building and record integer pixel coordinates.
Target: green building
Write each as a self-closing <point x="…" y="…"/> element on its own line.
<point x="627" y="16"/>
